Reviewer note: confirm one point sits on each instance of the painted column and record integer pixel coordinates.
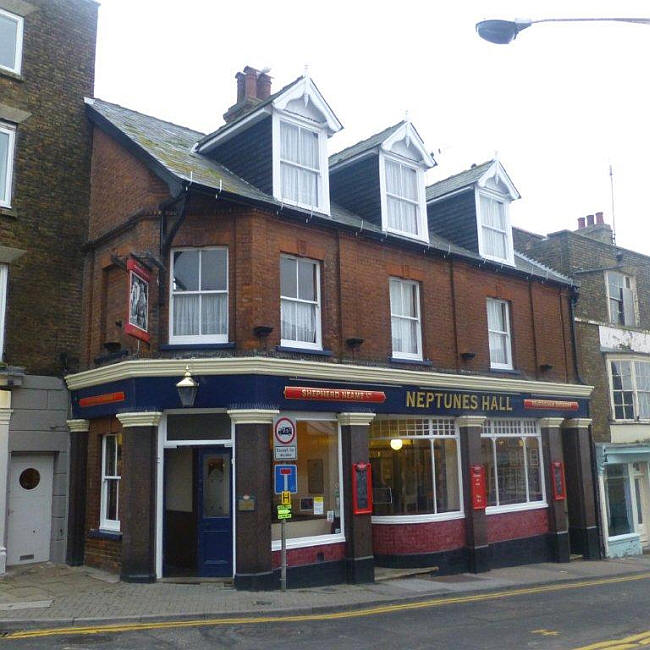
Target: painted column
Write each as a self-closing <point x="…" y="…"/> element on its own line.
<point x="583" y="527"/>
<point x="77" y="491"/>
<point x="5" y="416"/>
<point x="470" y="427"/>
<point x="557" y="519"/>
<point x="138" y="495"/>
<point x="359" y="558"/>
<point x="252" y="453"/>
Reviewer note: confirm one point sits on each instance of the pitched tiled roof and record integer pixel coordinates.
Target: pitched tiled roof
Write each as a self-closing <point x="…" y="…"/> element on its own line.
<point x="457" y="181"/>
<point x="365" y="145"/>
<point x="169" y="147"/>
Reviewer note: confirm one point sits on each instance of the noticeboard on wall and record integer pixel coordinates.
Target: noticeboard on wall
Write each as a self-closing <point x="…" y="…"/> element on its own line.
<point x="362" y="488"/>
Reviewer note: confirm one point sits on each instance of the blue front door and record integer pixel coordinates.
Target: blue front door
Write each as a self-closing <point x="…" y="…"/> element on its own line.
<point x="214" y="512"/>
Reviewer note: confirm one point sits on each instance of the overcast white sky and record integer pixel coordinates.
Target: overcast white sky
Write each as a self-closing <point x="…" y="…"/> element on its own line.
<point x="558" y="105"/>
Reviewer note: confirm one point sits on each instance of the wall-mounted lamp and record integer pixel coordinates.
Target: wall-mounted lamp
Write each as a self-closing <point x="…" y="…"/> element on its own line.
<point x="396" y="444"/>
<point x="187" y="388"/>
<point x="545" y="366"/>
<point x="467" y="356"/>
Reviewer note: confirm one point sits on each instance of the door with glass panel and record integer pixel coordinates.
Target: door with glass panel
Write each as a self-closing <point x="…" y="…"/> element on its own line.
<point x="640" y="485"/>
<point x="214" y="501"/>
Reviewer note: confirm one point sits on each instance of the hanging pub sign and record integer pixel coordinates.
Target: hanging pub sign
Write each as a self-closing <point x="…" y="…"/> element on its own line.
<point x="477" y="483"/>
<point x="559" y="486"/>
<point x="137" y="323"/>
<point x="362" y="488"/>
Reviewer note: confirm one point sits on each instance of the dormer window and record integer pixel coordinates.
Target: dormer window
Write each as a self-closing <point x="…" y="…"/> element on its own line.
<point x="402" y="205"/>
<point x="299" y="165"/>
<point x="495" y="236"/>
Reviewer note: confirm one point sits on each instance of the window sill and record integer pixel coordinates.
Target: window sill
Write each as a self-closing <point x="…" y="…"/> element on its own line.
<point x="197" y="346"/>
<point x="515" y="507"/>
<point x="304" y="542"/>
<point x="416" y="519"/>
<point x="411" y="362"/>
<point x="100" y="533"/>
<point x="311" y="351"/>
<point x="8" y="212"/>
<point x="505" y="371"/>
<point x="4" y="72"/>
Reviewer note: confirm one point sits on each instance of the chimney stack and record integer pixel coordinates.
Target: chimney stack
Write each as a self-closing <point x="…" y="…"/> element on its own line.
<point x="253" y="87"/>
<point x="594" y="227"/>
<point x="590" y="220"/>
<point x="581" y="222"/>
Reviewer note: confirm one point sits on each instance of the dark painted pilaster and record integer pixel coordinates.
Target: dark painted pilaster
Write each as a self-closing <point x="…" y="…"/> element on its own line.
<point x="254" y="568"/>
<point x="137" y="509"/>
<point x="558" y="524"/>
<point x="359" y="558"/>
<point x="583" y="527"/>
<point x="478" y="551"/>
<point x="77" y="491"/>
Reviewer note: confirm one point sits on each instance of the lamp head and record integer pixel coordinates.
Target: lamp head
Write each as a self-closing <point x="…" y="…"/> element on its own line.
<point x="501" y="32"/>
<point x="187" y="388"/>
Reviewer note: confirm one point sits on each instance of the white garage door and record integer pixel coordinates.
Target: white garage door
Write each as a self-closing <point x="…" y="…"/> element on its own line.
<point x="30" y="508"/>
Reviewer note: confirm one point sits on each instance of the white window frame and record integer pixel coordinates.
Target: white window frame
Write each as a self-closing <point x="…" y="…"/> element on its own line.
<point x="5" y="200"/>
<point x="18" y="60"/>
<point x="632" y="360"/>
<point x="506" y="333"/>
<point x="4" y="273"/>
<point x="631" y="309"/>
<point x="104" y="522"/>
<point x="432" y="437"/>
<point x="200" y="338"/>
<point x="499" y="198"/>
<point x="528" y="504"/>
<point x="418" y="318"/>
<point x="331" y="538"/>
<point x="422" y="221"/>
<point x="290" y="343"/>
<point x="322" y="189"/>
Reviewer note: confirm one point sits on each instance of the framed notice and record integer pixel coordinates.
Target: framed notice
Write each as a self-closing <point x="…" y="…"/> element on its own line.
<point x="137" y="323"/>
<point x="362" y="488"/>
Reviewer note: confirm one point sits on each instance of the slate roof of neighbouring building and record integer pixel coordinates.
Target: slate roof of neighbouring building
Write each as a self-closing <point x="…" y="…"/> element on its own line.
<point x="458" y="181"/>
<point x="169" y="148"/>
<point x="363" y="146"/>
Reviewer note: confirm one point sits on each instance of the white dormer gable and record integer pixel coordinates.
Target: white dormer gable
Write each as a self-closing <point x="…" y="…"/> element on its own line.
<point x="403" y="160"/>
<point x="494" y="191"/>
<point x="302" y="123"/>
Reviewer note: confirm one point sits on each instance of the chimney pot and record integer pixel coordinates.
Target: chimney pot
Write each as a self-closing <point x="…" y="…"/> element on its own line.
<point x="599" y="218"/>
<point x="581" y="222"/>
<point x="263" y="86"/>
<point x="590" y="219"/>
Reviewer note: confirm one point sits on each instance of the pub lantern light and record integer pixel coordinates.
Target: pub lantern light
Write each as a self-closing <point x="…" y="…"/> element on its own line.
<point x="396" y="444"/>
<point x="187" y="389"/>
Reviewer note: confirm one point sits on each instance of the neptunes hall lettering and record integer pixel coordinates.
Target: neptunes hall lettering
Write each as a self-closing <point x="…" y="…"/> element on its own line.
<point x="423" y="399"/>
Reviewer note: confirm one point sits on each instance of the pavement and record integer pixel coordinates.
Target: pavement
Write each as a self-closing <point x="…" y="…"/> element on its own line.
<point x="55" y="595"/>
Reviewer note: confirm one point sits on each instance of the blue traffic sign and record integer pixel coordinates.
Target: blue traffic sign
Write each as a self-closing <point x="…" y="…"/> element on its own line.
<point x="286" y="478"/>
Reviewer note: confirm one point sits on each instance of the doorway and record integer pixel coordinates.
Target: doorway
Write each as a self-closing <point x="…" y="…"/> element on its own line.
<point x="197" y="512"/>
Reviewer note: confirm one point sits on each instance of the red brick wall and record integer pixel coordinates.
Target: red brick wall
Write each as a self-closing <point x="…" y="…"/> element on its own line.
<point x="310" y="555"/>
<point x="430" y="537"/>
<point x="514" y="525"/>
<point x="100" y="553"/>
<point x="355" y="274"/>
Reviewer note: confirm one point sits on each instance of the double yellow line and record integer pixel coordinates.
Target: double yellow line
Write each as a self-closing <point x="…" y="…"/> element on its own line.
<point x="356" y="613"/>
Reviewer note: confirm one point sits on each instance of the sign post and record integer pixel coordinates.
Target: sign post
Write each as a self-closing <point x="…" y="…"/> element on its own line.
<point x="284" y="513"/>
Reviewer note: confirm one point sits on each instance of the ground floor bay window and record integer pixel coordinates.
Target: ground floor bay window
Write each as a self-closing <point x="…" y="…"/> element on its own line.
<point x="316" y="504"/>
<point x="415" y="467"/>
<point x="512" y="459"/>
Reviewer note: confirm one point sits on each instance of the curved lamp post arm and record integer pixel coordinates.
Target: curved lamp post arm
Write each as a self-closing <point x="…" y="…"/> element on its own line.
<point x="503" y="32"/>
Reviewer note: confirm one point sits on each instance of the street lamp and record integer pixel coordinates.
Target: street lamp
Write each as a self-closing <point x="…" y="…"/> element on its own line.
<point x="503" y="32"/>
<point x="187" y="389"/>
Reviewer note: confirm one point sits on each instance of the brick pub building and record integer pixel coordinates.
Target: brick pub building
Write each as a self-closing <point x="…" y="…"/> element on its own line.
<point x="47" y="59"/>
<point x="335" y="315"/>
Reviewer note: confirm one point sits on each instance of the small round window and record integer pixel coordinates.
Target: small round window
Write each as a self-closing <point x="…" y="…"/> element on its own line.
<point x="29" y="478"/>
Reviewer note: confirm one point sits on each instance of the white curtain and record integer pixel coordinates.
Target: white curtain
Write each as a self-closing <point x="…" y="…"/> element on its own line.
<point x="642" y="371"/>
<point x="214" y="312"/>
<point x="298" y="321"/>
<point x="494" y="228"/>
<point x="496" y="311"/>
<point x="404" y="317"/>
<point x="186" y="315"/>
<point x="401" y="182"/>
<point x="299" y="150"/>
